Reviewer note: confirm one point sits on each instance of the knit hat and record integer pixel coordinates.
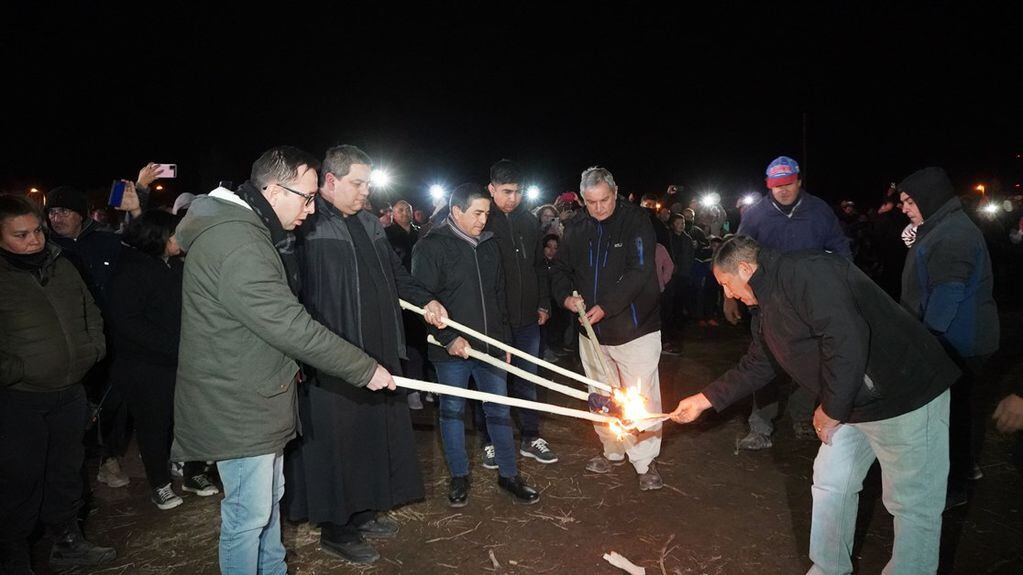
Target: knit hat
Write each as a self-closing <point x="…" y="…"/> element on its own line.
<point x="782" y="172"/>
<point x="182" y="202"/>
<point x="69" y="198"/>
<point x="930" y="188"/>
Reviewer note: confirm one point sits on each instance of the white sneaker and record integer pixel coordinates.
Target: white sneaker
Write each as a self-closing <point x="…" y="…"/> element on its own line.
<point x="165" y="498"/>
<point x="200" y="485"/>
<point x="110" y="473"/>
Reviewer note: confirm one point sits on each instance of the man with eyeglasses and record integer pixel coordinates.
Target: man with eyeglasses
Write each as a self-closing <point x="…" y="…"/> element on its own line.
<point x="357" y="456"/>
<point x="242" y="330"/>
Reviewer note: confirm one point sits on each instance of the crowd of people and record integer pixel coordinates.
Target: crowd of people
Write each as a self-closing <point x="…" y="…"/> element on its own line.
<point x="251" y="336"/>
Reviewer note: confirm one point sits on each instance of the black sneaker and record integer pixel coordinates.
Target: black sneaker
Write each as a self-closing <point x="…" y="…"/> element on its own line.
<point x="381" y="527"/>
<point x="353" y="551"/>
<point x="71" y="548"/>
<point x="489" y="456"/>
<point x="458" y="492"/>
<point x="522" y="494"/>
<point x="164" y="498"/>
<point x="538" y="450"/>
<point x="200" y="485"/>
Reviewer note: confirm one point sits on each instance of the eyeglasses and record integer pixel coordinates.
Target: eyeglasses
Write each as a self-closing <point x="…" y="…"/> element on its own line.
<point x="60" y="212"/>
<point x="308" y="197"/>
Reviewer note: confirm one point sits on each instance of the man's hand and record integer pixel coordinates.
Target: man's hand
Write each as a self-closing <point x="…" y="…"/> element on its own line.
<point x="690" y="408"/>
<point x="507" y="357"/>
<point x="381" y="379"/>
<point x="573" y="302"/>
<point x="130" y="200"/>
<point x="542" y="316"/>
<point x="435" y="314"/>
<point x="594" y="314"/>
<point x="731" y="309"/>
<point x="824" y="425"/>
<point x="147" y="174"/>
<point x="1008" y="415"/>
<point x="459" y="347"/>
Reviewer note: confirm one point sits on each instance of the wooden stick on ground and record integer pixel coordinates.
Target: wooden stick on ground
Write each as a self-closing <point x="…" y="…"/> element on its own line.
<point x="505" y="347"/>
<point x="500" y="364"/>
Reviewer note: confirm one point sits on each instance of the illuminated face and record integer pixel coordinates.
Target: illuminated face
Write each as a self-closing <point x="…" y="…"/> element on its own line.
<point x="291" y="208"/>
<point x="402" y="214"/>
<point x="911" y="210"/>
<point x="786" y="195"/>
<point x="678" y="225"/>
<point x="599" y="201"/>
<point x="67" y="223"/>
<point x="547" y="215"/>
<point x="736" y="285"/>
<point x="473" y="219"/>
<point x="22" y="234"/>
<point x="507" y="197"/>
<point x="350" y="193"/>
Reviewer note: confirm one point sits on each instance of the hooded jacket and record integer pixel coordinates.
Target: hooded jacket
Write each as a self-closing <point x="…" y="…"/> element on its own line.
<point x="825" y="323"/>
<point x="518" y="236"/>
<point x="947" y="280"/>
<point x="810" y="225"/>
<point x="242" y="329"/>
<point x="611" y="264"/>
<point x="52" y="332"/>
<point x="468" y="281"/>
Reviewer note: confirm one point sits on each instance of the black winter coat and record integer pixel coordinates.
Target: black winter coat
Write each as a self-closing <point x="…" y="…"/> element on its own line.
<point x="518" y="236"/>
<point x="838" y="334"/>
<point x="469" y="281"/>
<point x="611" y="264"/>
<point x="95" y="253"/>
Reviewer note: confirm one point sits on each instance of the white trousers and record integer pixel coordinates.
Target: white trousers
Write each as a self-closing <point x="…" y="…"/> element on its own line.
<point x="635" y="365"/>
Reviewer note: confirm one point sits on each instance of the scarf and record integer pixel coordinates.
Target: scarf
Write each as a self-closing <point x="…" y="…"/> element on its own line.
<point x="35" y="263"/>
<point x="909" y="235"/>
<point x="283" y="240"/>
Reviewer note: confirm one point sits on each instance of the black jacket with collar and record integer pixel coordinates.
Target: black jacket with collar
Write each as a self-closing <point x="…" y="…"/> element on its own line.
<point x="330" y="280"/>
<point x="611" y="264"/>
<point x="468" y="281"/>
<point x="831" y="328"/>
<point x="518" y="236"/>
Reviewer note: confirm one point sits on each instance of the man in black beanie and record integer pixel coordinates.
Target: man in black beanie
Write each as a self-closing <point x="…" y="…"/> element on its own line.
<point x="947" y="284"/>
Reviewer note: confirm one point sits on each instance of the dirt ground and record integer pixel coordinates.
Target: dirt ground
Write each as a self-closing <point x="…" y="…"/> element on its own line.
<point x="720" y="512"/>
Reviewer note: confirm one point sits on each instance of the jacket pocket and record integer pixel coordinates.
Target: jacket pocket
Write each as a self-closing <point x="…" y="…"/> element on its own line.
<point x="280" y="383"/>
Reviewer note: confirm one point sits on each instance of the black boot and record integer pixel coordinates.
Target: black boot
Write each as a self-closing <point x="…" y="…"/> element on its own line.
<point x="340" y="542"/>
<point x="71" y="548"/>
<point x="522" y="494"/>
<point x="458" y="492"/>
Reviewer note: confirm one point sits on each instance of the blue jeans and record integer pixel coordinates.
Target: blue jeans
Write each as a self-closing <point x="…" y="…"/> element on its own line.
<point x="250" y="519"/>
<point x="489" y="379"/>
<point x="913" y="451"/>
<point x="527" y="339"/>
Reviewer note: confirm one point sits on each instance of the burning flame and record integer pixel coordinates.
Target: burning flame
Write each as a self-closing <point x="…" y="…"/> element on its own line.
<point x="633" y="409"/>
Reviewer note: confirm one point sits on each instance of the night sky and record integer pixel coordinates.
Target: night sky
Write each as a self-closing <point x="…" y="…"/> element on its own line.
<point x="436" y="94"/>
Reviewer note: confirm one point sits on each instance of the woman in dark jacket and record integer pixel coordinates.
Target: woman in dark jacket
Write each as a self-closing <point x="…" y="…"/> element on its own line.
<point x="145" y="314"/>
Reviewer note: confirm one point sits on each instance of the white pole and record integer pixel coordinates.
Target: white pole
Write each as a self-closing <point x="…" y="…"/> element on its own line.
<point x="516" y="352"/>
<point x="486" y="358"/>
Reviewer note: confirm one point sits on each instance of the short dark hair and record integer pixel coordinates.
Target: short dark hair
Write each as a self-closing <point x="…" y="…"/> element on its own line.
<point x="465" y="194"/>
<point x="149" y="232"/>
<point x="12" y="206"/>
<point x="505" y="172"/>
<point x="280" y="165"/>
<point x="550" y="237"/>
<point x="339" y="160"/>
<point x="735" y="250"/>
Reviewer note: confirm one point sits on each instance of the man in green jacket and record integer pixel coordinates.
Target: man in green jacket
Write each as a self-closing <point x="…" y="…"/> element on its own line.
<point x="242" y="330"/>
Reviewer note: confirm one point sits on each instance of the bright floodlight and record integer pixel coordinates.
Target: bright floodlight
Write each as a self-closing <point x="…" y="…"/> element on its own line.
<point x="437" y="191"/>
<point x="532" y="193"/>
<point x="749" y="199"/>
<point x="991" y="209"/>
<point x="380" y="178"/>
<point x="711" y="199"/>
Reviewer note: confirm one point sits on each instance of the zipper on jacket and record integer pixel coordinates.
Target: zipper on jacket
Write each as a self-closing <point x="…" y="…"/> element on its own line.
<point x="596" y="269"/>
<point x="483" y="301"/>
